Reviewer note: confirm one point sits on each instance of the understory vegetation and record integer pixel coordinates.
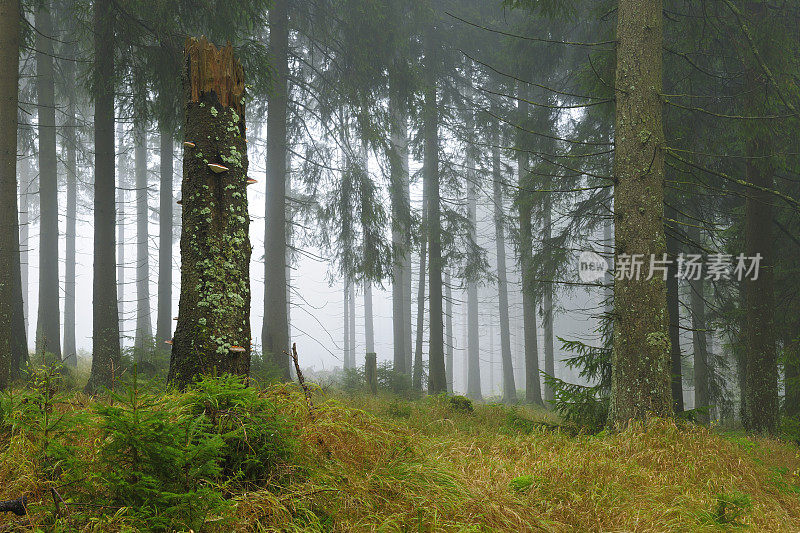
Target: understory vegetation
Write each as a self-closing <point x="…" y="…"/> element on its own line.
<point x="226" y="455"/>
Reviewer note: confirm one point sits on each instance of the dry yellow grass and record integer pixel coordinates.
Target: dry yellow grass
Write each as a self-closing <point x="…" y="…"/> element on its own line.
<point x="381" y="464"/>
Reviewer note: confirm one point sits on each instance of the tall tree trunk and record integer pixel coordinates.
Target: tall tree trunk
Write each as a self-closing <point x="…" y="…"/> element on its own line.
<point x="533" y="391"/>
<point x="346" y="325"/>
<point x="416" y="378"/>
<point x="509" y="386"/>
<point x="144" y="326"/>
<point x="641" y="357"/>
<point x="547" y="294"/>
<point x="437" y="379"/>
<point x="165" y="223"/>
<point x="761" y="376"/>
<point x="352" y="313"/>
<point x="105" y="313"/>
<point x="122" y="179"/>
<point x="213" y="330"/>
<point x="10" y="15"/>
<point x="25" y="176"/>
<point x="699" y="337"/>
<point x="48" y="330"/>
<point x="791" y="348"/>
<point x="448" y="330"/>
<point x="673" y="306"/>
<point x="369" y="326"/>
<point x="275" y="329"/>
<point x="473" y="333"/>
<point x="71" y="146"/>
<point x="401" y="217"/>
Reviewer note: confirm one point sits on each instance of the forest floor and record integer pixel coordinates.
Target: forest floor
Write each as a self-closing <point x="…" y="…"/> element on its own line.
<point x="381" y="463"/>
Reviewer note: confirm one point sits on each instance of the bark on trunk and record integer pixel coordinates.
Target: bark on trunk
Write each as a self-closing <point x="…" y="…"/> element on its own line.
<point x="275" y="328"/>
<point x="423" y="256"/>
<point x="352" y="314"/>
<point x="71" y="149"/>
<point x="761" y="375"/>
<point x="213" y="330"/>
<point x="448" y="330"/>
<point x="165" y="222"/>
<point x="9" y="68"/>
<point x="547" y="295"/>
<point x="673" y="305"/>
<point x="640" y="385"/>
<point x="48" y="330"/>
<point x="509" y="386"/>
<point x="473" y="334"/>
<point x="144" y="327"/>
<point x="533" y="391"/>
<point x="346" y="326"/>
<point x="398" y="161"/>
<point x="105" y="313"/>
<point x="122" y="178"/>
<point x="437" y="379"/>
<point x="699" y="339"/>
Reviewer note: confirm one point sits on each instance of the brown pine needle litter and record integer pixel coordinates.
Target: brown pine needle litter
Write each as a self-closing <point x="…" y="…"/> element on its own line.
<point x="379" y="463"/>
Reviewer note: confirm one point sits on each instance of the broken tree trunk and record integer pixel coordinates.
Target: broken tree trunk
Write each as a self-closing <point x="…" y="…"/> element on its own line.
<point x="213" y="330"/>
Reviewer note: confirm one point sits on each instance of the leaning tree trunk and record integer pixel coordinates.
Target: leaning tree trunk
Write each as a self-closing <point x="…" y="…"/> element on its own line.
<point x="533" y="390"/>
<point x="71" y="150"/>
<point x="10" y="16"/>
<point x="761" y="371"/>
<point x="401" y="216"/>
<point x="213" y="330"/>
<point x="144" y="327"/>
<point x="509" y="387"/>
<point x="275" y="329"/>
<point x="640" y="384"/>
<point x="105" y="313"/>
<point x="48" y="330"/>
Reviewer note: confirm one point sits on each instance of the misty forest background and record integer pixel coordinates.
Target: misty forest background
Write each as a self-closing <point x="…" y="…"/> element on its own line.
<point x="514" y="148"/>
<point x="412" y="179"/>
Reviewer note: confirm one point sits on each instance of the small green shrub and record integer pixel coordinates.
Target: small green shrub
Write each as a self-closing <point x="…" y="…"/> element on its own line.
<point x="461" y="403"/>
<point x="256" y="437"/>
<point x="522" y="483"/>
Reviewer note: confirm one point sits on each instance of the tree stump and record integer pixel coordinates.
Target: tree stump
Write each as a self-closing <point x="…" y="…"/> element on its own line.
<point x="213" y="329"/>
<point x="371" y="372"/>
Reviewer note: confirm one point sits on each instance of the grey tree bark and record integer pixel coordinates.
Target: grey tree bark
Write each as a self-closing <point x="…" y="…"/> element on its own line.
<point x="509" y="386"/>
<point x="122" y="185"/>
<point x="144" y="326"/>
<point x="166" y="224"/>
<point x="761" y="369"/>
<point x="448" y="329"/>
<point x="547" y="294"/>
<point x="71" y="150"/>
<point x="673" y="306"/>
<point x="416" y="377"/>
<point x="533" y="391"/>
<point x="401" y="217"/>
<point x="105" y="313"/>
<point x="640" y="384"/>
<point x="473" y="333"/>
<point x="699" y="337"/>
<point x="48" y="329"/>
<point x="9" y="71"/>
<point x="275" y="328"/>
